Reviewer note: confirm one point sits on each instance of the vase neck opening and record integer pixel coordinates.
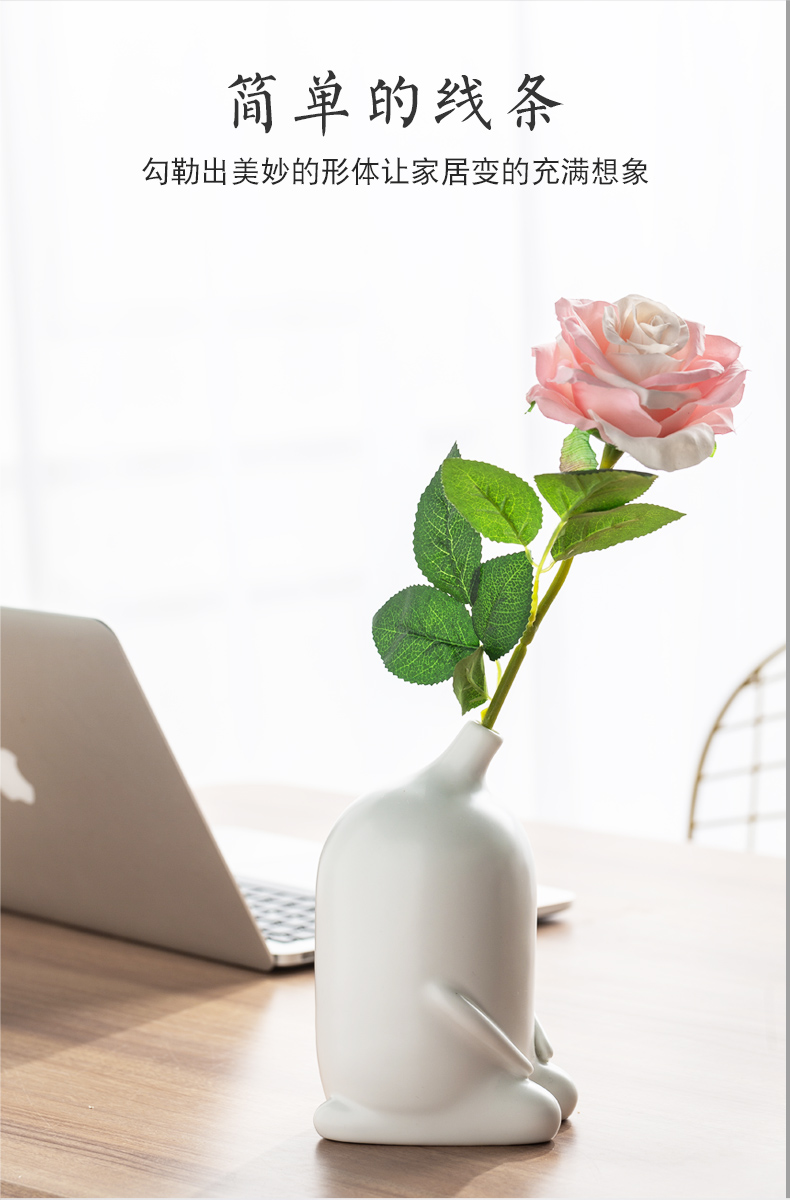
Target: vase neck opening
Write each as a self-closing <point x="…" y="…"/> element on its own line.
<point x="467" y="758"/>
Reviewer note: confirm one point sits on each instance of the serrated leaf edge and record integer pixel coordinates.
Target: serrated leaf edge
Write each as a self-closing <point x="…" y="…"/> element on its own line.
<point x="519" y="540"/>
<point x="571" y="512"/>
<point x="513" y="554"/>
<point x="464" y="598"/>
<point x="382" y="660"/>
<point x="622" y="508"/>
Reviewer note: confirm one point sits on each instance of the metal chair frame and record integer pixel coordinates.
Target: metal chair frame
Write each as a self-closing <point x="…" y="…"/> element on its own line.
<point x="755" y="679"/>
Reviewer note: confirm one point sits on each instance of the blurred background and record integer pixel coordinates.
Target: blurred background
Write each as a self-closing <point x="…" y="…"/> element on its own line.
<point x="221" y="404"/>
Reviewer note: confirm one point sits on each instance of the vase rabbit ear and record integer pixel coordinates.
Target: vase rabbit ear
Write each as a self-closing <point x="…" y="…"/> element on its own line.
<point x="425" y="951"/>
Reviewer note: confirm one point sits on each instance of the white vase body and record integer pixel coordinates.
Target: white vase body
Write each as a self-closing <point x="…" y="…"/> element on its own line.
<point x="425" y="967"/>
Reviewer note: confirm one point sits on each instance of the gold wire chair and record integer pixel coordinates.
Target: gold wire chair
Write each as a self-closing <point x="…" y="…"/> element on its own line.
<point x="767" y="672"/>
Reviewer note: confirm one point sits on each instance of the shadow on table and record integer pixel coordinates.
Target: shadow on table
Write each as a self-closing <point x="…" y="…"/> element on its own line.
<point x="307" y="1166"/>
<point x="63" y="987"/>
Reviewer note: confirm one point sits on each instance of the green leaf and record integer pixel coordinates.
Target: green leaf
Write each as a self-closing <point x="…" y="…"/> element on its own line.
<point x="469" y="681"/>
<point x="499" y="505"/>
<point x="577" y="454"/>
<point x="446" y="547"/>
<point x="592" y="491"/>
<point x="421" y="634"/>
<point x="501" y="609"/>
<point x="599" y="530"/>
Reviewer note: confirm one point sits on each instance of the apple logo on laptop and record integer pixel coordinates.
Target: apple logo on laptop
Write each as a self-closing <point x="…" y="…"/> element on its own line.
<point x="13" y="784"/>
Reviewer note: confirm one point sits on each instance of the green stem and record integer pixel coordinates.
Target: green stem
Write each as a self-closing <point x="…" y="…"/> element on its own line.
<point x="609" y="457"/>
<point x="517" y="657"/>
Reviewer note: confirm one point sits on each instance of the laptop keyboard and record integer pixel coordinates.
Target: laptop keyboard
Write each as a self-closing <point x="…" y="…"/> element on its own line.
<point x="280" y="914"/>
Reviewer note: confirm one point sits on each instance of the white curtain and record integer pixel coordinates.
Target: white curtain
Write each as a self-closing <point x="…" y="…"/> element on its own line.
<point x="222" y="403"/>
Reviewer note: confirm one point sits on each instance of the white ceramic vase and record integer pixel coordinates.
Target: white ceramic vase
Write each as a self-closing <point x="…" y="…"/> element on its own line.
<point x="425" y="967"/>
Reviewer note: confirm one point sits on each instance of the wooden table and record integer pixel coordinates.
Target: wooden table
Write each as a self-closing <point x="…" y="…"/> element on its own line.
<point x="130" y="1071"/>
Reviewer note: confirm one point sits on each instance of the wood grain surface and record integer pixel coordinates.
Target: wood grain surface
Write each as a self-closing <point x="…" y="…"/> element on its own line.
<point x="130" y="1071"/>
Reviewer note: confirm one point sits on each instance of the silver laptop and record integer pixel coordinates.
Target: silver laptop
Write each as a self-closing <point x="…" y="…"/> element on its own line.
<point x="101" y="831"/>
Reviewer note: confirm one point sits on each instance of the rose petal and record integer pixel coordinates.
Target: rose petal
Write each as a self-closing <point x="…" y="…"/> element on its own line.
<point x="611" y="377"/>
<point x="679" y="419"/>
<point x="726" y="391"/>
<point x="649" y="326"/>
<point x="546" y="361"/>
<point x="668" y="401"/>
<point x="618" y="405"/>
<point x="721" y="349"/>
<point x="703" y="370"/>
<point x="591" y="313"/>
<point x="555" y="405"/>
<point x="686" y="448"/>
<point x="719" y="419"/>
<point x="577" y="336"/>
<point x="649" y="398"/>
<point x="639" y="367"/>
<point x="696" y="343"/>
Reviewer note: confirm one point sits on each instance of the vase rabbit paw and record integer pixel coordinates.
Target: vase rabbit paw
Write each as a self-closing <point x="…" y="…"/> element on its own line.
<point x="561" y="1086"/>
<point x="503" y="1112"/>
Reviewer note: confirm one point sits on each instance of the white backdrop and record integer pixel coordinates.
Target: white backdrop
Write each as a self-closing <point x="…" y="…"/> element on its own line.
<point x="222" y="404"/>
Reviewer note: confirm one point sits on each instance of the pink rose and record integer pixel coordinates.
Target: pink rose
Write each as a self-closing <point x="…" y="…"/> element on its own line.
<point x="649" y="382"/>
